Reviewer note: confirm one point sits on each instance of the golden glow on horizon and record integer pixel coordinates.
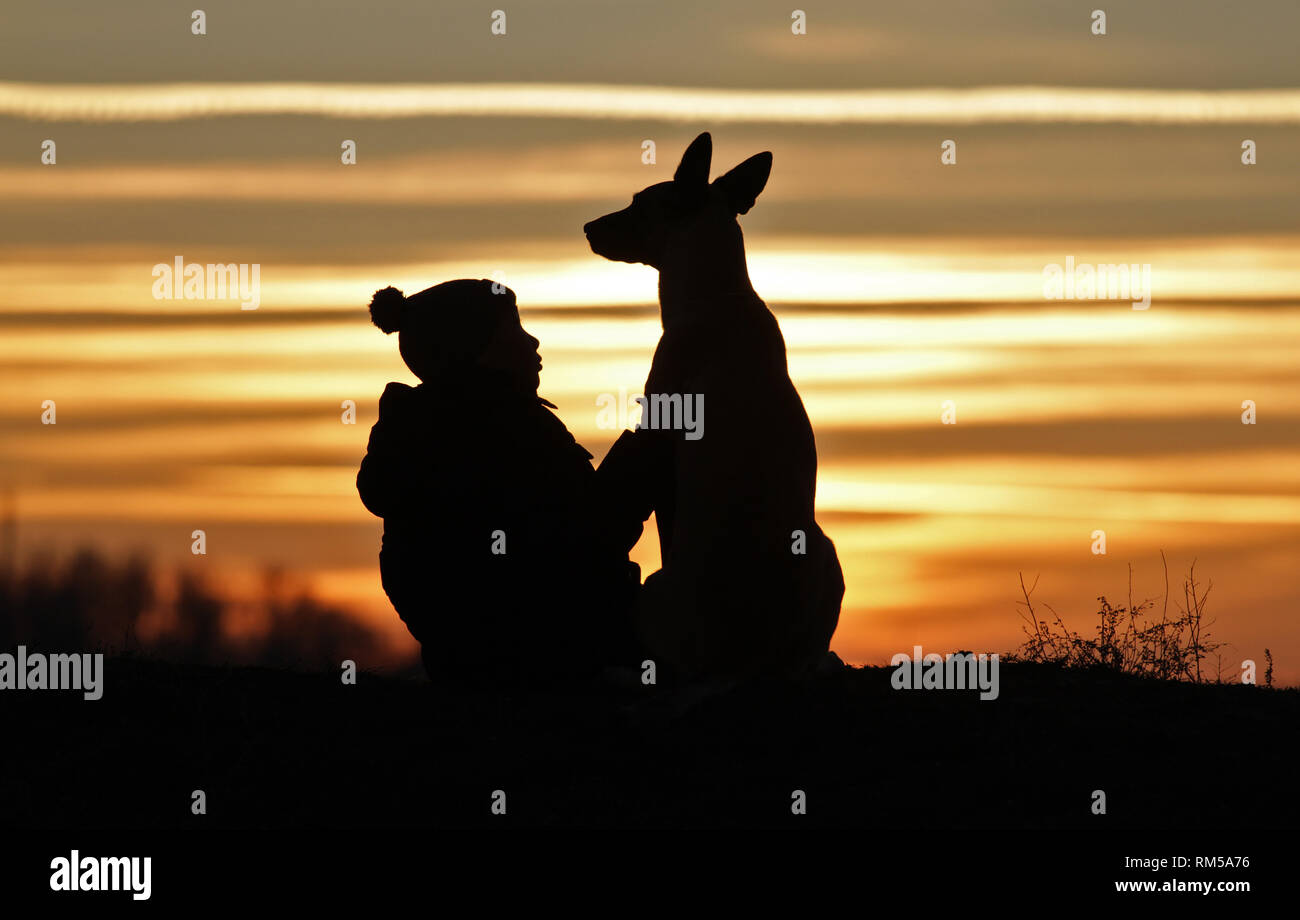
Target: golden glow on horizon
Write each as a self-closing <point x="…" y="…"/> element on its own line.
<point x="162" y="427"/>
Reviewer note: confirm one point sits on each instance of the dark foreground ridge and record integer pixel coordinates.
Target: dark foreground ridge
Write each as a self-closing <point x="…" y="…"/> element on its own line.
<point x="282" y="749"/>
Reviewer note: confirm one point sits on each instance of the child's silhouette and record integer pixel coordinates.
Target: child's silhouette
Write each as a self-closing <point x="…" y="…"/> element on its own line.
<point x="495" y="551"/>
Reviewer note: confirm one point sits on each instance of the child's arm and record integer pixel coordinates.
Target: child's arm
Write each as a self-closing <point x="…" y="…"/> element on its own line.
<point x="371" y="480"/>
<point x="379" y="481"/>
<point x="630" y="482"/>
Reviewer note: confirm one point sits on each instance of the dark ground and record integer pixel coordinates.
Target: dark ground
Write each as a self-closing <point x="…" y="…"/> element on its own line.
<point x="283" y="750"/>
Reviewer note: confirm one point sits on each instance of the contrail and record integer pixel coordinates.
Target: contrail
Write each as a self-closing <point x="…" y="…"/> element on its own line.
<point x="992" y="104"/>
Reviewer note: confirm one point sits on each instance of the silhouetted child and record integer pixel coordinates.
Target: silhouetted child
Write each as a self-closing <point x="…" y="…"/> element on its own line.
<point x="495" y="554"/>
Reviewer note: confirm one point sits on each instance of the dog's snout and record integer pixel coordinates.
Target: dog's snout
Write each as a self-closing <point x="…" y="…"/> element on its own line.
<point x="586" y="228"/>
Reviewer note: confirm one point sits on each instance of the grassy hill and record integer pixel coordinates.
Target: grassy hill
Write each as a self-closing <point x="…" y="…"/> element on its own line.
<point x="273" y="748"/>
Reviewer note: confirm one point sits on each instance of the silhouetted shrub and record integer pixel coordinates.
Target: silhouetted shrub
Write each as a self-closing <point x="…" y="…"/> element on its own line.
<point x="1128" y="639"/>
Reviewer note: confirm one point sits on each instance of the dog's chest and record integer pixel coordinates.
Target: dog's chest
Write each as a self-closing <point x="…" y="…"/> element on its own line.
<point x="693" y="354"/>
<point x="668" y="366"/>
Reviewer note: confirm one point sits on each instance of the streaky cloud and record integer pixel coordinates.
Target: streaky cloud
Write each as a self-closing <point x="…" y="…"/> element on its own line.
<point x="990" y="104"/>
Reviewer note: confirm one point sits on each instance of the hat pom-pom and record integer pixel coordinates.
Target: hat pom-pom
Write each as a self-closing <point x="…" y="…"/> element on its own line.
<point x="386" y="309"/>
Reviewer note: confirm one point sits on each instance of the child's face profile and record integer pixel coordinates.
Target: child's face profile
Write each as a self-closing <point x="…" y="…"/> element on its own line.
<point x="513" y="351"/>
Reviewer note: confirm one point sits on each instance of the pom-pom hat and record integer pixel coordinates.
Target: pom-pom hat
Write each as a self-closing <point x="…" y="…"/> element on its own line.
<point x="446" y="326"/>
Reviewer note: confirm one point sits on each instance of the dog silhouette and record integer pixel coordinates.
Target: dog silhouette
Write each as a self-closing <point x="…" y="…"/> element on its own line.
<point x="749" y="585"/>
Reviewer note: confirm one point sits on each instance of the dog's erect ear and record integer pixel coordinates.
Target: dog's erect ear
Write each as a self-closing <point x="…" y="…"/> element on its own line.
<point x="743" y="183"/>
<point x="693" y="170"/>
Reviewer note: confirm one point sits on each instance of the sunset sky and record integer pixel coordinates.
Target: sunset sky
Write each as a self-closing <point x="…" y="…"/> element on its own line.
<point x="899" y="282"/>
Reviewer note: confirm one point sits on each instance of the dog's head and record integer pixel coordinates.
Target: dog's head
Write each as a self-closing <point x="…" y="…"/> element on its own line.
<point x="688" y="212"/>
